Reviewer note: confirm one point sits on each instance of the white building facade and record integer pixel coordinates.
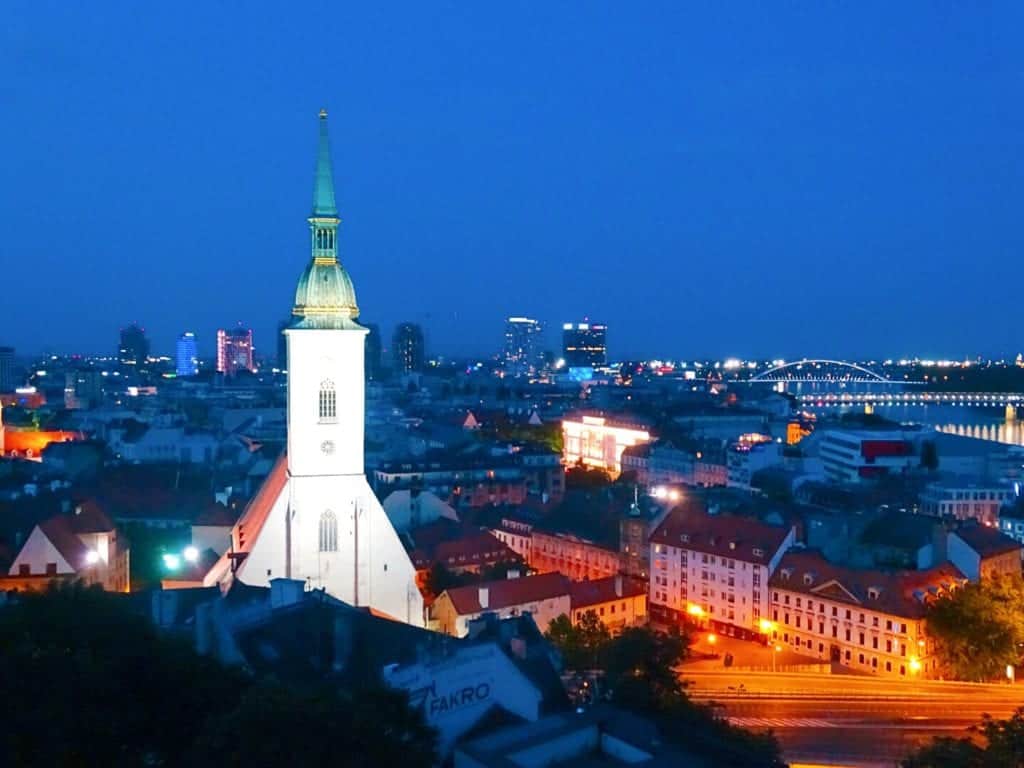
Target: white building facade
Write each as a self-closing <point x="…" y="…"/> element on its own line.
<point x="316" y="518"/>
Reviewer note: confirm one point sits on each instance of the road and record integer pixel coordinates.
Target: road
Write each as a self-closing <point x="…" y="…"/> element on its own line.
<point x="848" y="720"/>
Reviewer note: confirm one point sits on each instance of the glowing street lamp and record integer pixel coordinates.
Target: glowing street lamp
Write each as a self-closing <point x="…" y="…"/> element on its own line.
<point x="766" y="626"/>
<point x="92" y="557"/>
<point x="915" y="665"/>
<point x="775" y="652"/>
<point x="171" y="561"/>
<point x="695" y="610"/>
<point x="711" y="638"/>
<point x="191" y="554"/>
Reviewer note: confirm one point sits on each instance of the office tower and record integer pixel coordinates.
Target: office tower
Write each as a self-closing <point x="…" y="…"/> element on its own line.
<point x="234" y="351"/>
<point x="134" y="348"/>
<point x="522" y="353"/>
<point x="282" y="346"/>
<point x="7" y="382"/>
<point x="186" y="355"/>
<point x="407" y="348"/>
<point x="83" y="388"/>
<point x="373" y="352"/>
<point x="584" y="345"/>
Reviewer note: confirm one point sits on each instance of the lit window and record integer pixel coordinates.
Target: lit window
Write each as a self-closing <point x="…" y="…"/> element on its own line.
<point x="328" y="532"/>
<point x="328" y="402"/>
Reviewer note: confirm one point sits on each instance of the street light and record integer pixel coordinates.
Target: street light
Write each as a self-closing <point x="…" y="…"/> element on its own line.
<point x="915" y="665"/>
<point x="191" y="554"/>
<point x="92" y="557"/>
<point x="711" y="638"/>
<point x="775" y="652"/>
<point x="171" y="561"/>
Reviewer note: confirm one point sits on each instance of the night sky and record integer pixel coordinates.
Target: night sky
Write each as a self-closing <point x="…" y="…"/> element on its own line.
<point x="774" y="180"/>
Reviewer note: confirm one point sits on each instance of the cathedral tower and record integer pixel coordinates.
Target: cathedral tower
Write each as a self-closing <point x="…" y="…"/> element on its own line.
<point x="316" y="518"/>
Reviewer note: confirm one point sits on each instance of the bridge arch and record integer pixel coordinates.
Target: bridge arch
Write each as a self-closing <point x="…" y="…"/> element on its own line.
<point x="770" y="374"/>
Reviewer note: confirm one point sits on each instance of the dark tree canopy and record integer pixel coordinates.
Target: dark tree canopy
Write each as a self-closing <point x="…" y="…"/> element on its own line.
<point x="91" y="683"/>
<point x="996" y="744"/>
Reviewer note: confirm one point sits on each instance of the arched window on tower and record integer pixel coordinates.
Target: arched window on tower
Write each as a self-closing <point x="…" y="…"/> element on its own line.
<point x="328" y="532"/>
<point x="328" y="402"/>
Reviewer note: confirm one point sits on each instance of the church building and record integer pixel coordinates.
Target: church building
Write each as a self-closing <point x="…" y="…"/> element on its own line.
<point x="316" y="519"/>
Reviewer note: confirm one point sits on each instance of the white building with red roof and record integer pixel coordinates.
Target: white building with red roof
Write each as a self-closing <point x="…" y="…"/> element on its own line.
<point x="82" y="544"/>
<point x="868" y="620"/>
<point x="713" y="570"/>
<point x="545" y="597"/>
<point x="316" y="519"/>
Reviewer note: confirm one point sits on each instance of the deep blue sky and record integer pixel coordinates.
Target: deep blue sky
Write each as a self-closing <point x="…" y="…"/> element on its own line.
<point x="778" y="179"/>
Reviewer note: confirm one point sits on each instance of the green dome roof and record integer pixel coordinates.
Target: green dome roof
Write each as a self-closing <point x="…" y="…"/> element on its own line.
<point x="325" y="289"/>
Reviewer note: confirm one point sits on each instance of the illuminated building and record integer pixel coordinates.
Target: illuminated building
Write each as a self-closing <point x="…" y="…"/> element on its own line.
<point x="598" y="441"/>
<point x="134" y="347"/>
<point x="573" y="555"/>
<point x="82" y="545"/>
<point x="616" y="601"/>
<point x="315" y="519"/>
<point x="186" y="355"/>
<point x="584" y="345"/>
<point x="851" y="456"/>
<point x="714" y="569"/>
<point x="28" y="443"/>
<point x="871" y="621"/>
<point x="234" y="351"/>
<point x="545" y="596"/>
<point x="7" y="383"/>
<point x="523" y="354"/>
<point x="407" y="348"/>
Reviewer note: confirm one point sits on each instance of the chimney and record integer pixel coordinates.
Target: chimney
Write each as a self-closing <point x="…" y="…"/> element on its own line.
<point x="484" y="596"/>
<point x="285" y="592"/>
<point x="618" y="585"/>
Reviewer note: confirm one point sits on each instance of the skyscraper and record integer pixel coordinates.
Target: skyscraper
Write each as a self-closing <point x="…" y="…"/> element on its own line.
<point x="584" y="345"/>
<point x="7" y="383"/>
<point x="186" y="355"/>
<point x="407" y="348"/>
<point x="373" y="352"/>
<point x="234" y="351"/>
<point x="134" y="347"/>
<point x="316" y="520"/>
<point x="523" y="347"/>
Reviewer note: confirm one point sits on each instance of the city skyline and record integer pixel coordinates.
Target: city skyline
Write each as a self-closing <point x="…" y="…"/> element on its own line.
<point x="698" y="181"/>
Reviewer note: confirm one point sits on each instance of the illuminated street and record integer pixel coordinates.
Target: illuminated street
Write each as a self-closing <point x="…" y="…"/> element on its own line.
<point x="848" y="720"/>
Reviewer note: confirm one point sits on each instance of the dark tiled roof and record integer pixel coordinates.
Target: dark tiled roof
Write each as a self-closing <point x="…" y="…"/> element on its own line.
<point x="899" y="593"/>
<point x="598" y="591"/>
<point x="474" y="549"/>
<point x="508" y="592"/>
<point x="62" y="535"/>
<point x="742" y="538"/>
<point x="987" y="542"/>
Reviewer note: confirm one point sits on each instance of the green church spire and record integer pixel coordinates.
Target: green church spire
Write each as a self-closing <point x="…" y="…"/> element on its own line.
<point x="323" y="192"/>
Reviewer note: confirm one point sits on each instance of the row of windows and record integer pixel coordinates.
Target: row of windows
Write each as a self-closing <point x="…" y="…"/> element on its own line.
<point x="848" y="633"/>
<point x="889" y="624"/>
<point x="847" y="655"/>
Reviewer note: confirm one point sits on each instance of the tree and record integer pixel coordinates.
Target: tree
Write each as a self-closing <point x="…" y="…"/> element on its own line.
<point x="582" y="646"/>
<point x="641" y="668"/>
<point x="979" y="628"/>
<point x="583" y="477"/>
<point x="94" y="684"/>
<point x="996" y="744"/>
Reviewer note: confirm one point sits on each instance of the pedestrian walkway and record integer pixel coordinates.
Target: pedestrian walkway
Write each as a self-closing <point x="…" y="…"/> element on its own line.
<point x="782" y="722"/>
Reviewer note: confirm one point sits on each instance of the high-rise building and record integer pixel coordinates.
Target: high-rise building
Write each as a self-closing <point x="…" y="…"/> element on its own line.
<point x="373" y="352"/>
<point x="282" y="346"/>
<point x="134" y="348"/>
<point x="407" y="348"/>
<point x="584" y="345"/>
<point x="234" y="351"/>
<point x="523" y="346"/>
<point x="7" y="382"/>
<point x="186" y="355"/>
<point x="316" y="520"/>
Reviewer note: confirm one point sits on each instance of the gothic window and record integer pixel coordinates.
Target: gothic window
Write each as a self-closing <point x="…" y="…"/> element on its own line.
<point x="328" y="402"/>
<point x="328" y="532"/>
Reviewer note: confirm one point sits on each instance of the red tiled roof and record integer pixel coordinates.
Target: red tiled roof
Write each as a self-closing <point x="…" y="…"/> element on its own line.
<point x="89" y="517"/>
<point x="249" y="525"/>
<point x="583" y="594"/>
<point x="899" y="593"/>
<point x="987" y="542"/>
<point x="60" y="532"/>
<point x="479" y="548"/>
<point x="507" y="593"/>
<point x="690" y="527"/>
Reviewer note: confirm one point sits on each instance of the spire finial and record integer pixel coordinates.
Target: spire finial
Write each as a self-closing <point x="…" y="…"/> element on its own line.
<point x="323" y="190"/>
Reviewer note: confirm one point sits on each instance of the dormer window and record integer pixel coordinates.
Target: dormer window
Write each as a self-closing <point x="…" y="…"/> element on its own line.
<point x="684" y="537"/>
<point x="873" y="593"/>
<point x="732" y="545"/>
<point x="808" y="579"/>
<point x="758" y="552"/>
